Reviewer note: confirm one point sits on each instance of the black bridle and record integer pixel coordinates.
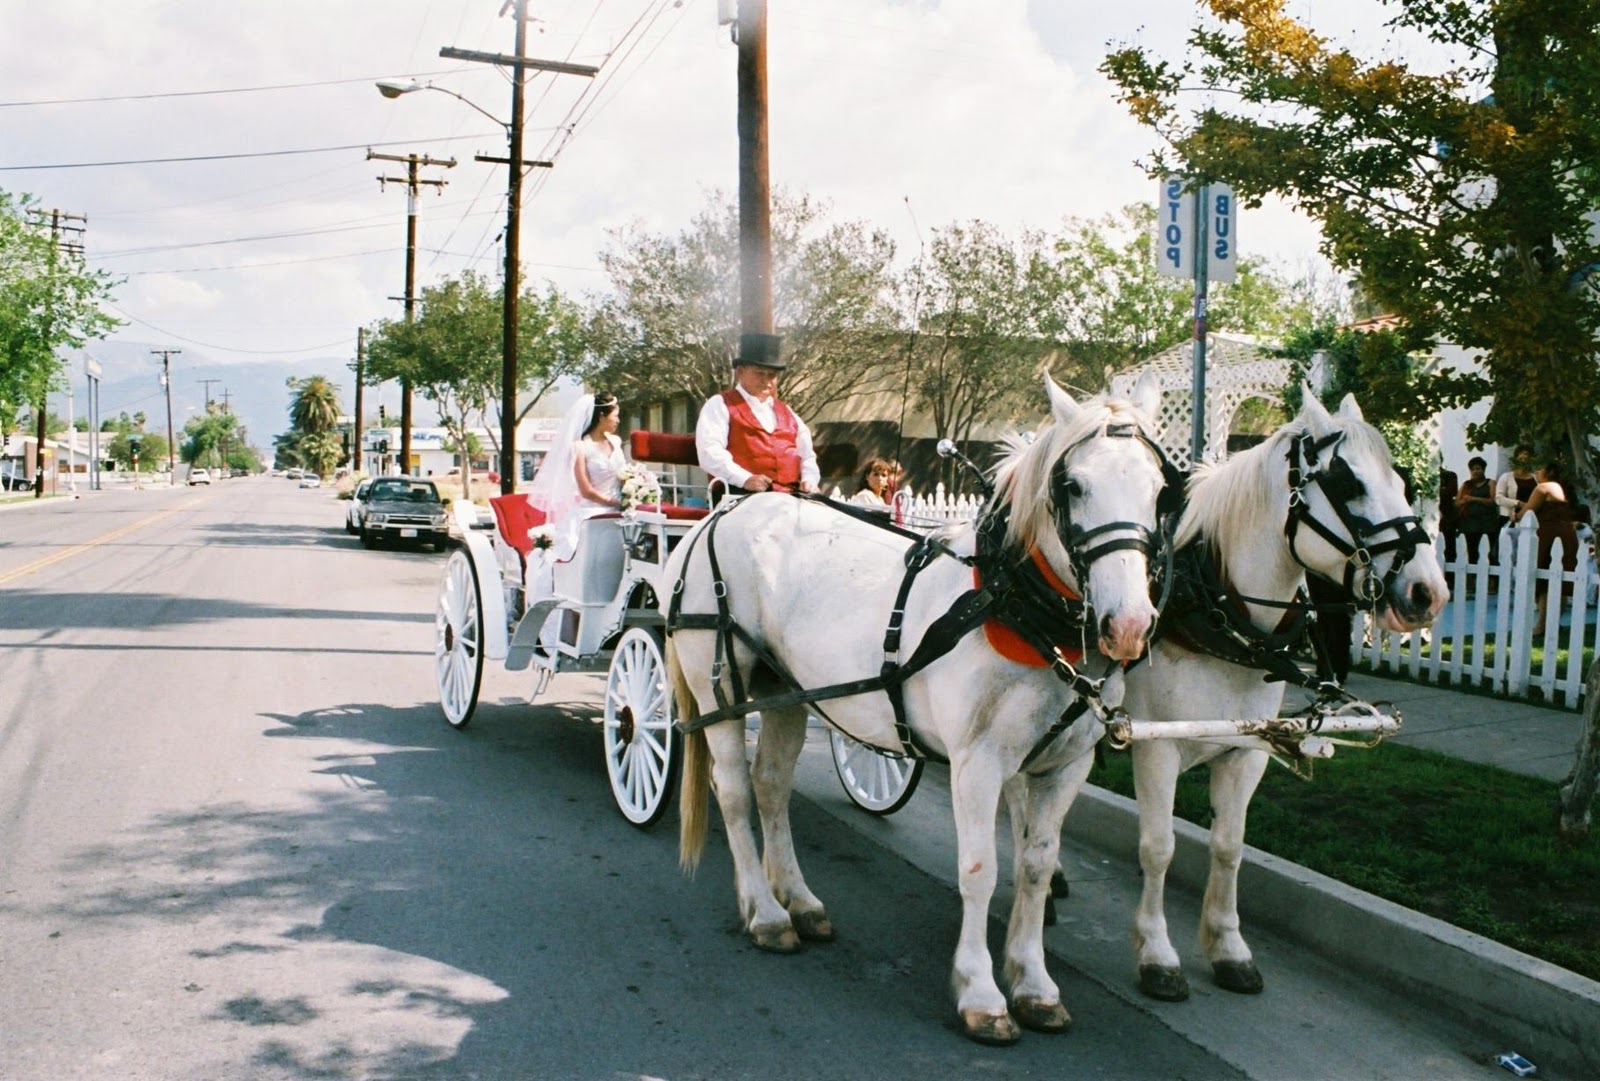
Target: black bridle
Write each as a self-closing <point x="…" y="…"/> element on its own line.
<point x="1363" y="541"/>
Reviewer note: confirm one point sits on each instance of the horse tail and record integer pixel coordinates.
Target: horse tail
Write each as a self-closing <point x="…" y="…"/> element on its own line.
<point x="695" y="783"/>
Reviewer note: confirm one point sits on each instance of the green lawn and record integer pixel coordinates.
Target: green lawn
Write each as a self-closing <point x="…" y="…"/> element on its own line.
<point x="1471" y="845"/>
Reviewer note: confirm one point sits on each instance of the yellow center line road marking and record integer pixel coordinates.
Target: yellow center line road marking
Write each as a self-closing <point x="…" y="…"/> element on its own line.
<point x="68" y="553"/>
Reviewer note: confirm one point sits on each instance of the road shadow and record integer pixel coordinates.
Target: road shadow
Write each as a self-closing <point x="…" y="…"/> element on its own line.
<point x="496" y="918"/>
<point x="53" y="610"/>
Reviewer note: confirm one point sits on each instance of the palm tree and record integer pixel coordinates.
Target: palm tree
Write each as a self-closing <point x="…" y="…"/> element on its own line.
<point x="316" y="405"/>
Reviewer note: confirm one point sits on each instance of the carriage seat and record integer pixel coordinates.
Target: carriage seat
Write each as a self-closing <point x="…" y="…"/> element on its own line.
<point x="515" y="516"/>
<point x="668" y="448"/>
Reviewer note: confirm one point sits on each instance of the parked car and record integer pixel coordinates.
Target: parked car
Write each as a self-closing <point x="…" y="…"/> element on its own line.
<point x="294" y="473"/>
<point x="403" y="508"/>
<point x="199" y="476"/>
<point x="352" y="510"/>
<point x="309" y="479"/>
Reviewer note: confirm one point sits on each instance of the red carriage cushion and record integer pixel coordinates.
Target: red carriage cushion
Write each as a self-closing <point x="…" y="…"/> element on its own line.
<point x="515" y="516"/>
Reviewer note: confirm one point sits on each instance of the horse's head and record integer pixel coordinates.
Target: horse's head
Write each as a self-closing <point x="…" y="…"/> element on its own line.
<point x="1350" y="521"/>
<point x="1083" y="495"/>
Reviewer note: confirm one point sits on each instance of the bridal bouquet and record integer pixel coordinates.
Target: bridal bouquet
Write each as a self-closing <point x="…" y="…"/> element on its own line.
<point x="639" y="487"/>
<point x="543" y="537"/>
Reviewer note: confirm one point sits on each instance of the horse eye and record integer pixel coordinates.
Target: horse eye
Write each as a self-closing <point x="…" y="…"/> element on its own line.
<point x="1073" y="489"/>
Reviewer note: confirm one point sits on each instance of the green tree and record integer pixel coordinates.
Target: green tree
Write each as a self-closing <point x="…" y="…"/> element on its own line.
<point x="205" y="437"/>
<point x="1463" y="199"/>
<point x="315" y="406"/>
<point x="673" y="328"/>
<point x="152" y="450"/>
<point x="49" y="300"/>
<point x="452" y="351"/>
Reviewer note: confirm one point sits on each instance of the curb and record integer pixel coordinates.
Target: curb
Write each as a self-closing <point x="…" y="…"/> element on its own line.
<point x="1552" y="1014"/>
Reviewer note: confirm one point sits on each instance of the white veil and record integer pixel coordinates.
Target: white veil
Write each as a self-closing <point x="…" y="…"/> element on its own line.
<point x="554" y="489"/>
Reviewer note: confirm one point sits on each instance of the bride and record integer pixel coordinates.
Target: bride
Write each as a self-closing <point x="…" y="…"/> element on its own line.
<point x="579" y="479"/>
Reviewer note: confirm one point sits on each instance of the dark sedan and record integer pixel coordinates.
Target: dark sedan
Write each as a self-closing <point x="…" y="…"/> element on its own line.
<point x="403" y="509"/>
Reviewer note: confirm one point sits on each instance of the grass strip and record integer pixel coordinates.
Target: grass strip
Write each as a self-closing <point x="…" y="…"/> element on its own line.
<point x="1472" y="845"/>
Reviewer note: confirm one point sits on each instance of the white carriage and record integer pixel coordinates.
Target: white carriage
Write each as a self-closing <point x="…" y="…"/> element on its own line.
<point x="603" y="617"/>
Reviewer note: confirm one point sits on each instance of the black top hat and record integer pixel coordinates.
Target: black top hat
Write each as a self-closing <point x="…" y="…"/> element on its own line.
<point x="760" y="350"/>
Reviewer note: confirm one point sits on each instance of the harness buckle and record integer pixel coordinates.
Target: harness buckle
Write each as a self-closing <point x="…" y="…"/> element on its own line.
<point x="719" y="589"/>
<point x="1361" y="557"/>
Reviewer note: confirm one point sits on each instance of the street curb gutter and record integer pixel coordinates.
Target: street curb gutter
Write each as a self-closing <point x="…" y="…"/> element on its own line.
<point x="1549" y="1014"/>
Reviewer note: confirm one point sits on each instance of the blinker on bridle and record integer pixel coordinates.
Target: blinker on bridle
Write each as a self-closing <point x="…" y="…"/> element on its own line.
<point x="1341" y="487"/>
<point x="1132" y="536"/>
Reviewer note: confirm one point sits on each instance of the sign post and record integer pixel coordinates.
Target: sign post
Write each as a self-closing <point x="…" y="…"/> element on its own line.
<point x="1195" y="239"/>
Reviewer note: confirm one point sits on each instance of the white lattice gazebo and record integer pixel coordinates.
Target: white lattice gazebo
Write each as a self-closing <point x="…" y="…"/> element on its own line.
<point x="1238" y="368"/>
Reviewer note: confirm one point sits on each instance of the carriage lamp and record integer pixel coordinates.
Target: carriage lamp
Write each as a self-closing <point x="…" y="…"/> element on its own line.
<point x="632" y="530"/>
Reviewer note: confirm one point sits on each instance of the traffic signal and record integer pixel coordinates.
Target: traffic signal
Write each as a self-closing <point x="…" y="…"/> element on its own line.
<point x="383" y="416"/>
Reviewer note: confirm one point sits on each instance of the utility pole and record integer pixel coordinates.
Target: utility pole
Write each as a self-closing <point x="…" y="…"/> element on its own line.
<point x="412" y="183"/>
<point x="355" y="436"/>
<point x="166" y="356"/>
<point x="757" y="343"/>
<point x="520" y="64"/>
<point x="208" y="383"/>
<point x="58" y="224"/>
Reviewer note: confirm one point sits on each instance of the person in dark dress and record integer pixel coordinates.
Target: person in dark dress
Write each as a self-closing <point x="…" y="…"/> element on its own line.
<point x="1449" y="524"/>
<point x="1477" y="514"/>
<point x="1558" y="520"/>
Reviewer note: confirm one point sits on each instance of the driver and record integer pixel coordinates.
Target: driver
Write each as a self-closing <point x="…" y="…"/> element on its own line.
<point x="747" y="438"/>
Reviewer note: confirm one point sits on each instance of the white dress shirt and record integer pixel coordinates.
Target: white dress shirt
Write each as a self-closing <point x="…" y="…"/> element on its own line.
<point x="711" y="440"/>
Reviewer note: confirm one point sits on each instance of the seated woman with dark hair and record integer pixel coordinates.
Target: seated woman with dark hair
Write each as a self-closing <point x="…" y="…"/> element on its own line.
<point x="879" y="479"/>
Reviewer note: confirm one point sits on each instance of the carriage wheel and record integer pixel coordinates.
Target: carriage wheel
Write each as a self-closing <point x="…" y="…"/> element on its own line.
<point x="641" y="744"/>
<point x="458" y="640"/>
<point x="877" y="783"/>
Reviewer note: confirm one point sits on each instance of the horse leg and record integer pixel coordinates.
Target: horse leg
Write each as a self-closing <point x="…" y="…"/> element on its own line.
<point x="763" y="917"/>
<point x="782" y="738"/>
<point x="1234" y="777"/>
<point x="1035" y="998"/>
<point x="1156" y="766"/>
<point x="975" y="798"/>
<point x="1015" y="792"/>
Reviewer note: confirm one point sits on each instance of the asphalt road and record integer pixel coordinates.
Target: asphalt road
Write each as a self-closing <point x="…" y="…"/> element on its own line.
<point x="238" y="840"/>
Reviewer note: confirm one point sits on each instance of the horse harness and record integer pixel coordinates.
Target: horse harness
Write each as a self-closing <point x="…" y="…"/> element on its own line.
<point x="1010" y="588"/>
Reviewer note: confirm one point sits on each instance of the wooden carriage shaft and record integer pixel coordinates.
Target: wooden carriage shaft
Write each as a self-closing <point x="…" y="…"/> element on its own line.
<point x="1375" y="724"/>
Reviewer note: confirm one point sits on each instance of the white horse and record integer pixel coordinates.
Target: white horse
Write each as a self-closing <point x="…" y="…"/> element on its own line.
<point x="815" y="590"/>
<point x="1321" y="495"/>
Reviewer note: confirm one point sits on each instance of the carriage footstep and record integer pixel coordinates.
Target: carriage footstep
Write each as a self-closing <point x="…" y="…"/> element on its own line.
<point x="1163" y="984"/>
<point x="813" y="926"/>
<point x="1240" y="977"/>
<point x="1037" y="1015"/>
<point x="996" y="1030"/>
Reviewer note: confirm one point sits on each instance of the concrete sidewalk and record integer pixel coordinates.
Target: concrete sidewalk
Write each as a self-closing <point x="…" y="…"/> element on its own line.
<point x="1522" y="737"/>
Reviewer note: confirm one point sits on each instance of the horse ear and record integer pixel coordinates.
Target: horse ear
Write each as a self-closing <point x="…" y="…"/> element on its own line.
<point x="1350" y="409"/>
<point x="1317" y="418"/>
<point x="1147" y="394"/>
<point x="1061" y="403"/>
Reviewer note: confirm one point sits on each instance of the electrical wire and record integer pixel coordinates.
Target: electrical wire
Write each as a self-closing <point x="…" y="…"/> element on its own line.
<point x="206" y="93"/>
<point x="234" y="157"/>
<point x="228" y="348"/>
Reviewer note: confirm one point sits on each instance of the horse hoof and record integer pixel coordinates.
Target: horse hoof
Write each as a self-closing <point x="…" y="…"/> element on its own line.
<point x="1049" y="912"/>
<point x="813" y="926"/>
<point x="1059" y="886"/>
<point x="1240" y="977"/>
<point x="776" y="939"/>
<point x="994" y="1029"/>
<point x="1163" y="984"/>
<point x="1040" y="1016"/>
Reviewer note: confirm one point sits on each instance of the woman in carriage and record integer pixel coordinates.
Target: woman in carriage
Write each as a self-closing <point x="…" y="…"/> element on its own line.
<point x="580" y="478"/>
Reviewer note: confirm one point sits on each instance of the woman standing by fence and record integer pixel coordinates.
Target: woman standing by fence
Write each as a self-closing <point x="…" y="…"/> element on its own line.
<point x="1558" y="520"/>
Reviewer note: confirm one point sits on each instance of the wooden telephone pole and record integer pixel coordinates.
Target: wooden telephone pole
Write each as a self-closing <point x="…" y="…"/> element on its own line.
<point x="413" y="184"/>
<point x="757" y="342"/>
<point x="59" y="223"/>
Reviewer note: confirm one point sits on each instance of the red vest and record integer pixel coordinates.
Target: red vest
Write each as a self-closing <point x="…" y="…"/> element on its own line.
<point x="776" y="453"/>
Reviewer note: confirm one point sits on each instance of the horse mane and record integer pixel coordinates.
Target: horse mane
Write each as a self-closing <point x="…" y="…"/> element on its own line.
<point x="1022" y="477"/>
<point x="1231" y="497"/>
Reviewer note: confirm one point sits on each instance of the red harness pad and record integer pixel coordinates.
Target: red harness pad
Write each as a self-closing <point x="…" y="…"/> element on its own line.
<point x="1009" y="644"/>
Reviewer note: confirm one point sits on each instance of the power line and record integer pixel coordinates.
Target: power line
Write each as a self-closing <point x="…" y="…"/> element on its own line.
<point x="228" y="348"/>
<point x="204" y="93"/>
<point x="238" y="157"/>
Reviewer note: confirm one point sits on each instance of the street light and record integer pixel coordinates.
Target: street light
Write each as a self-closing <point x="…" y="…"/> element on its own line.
<point x="520" y="64"/>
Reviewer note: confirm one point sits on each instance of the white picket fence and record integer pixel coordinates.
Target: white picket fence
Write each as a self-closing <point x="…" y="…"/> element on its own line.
<point x="1487" y="640"/>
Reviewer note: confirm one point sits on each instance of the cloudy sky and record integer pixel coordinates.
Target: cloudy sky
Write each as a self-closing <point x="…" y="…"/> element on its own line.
<point x="906" y="113"/>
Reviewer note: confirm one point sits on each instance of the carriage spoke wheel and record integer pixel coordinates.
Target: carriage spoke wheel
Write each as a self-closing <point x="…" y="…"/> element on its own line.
<point x="877" y="783"/>
<point x="641" y="744"/>
<point x="458" y="640"/>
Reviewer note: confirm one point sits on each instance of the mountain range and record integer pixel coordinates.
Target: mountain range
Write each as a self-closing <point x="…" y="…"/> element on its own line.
<point x="256" y="391"/>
